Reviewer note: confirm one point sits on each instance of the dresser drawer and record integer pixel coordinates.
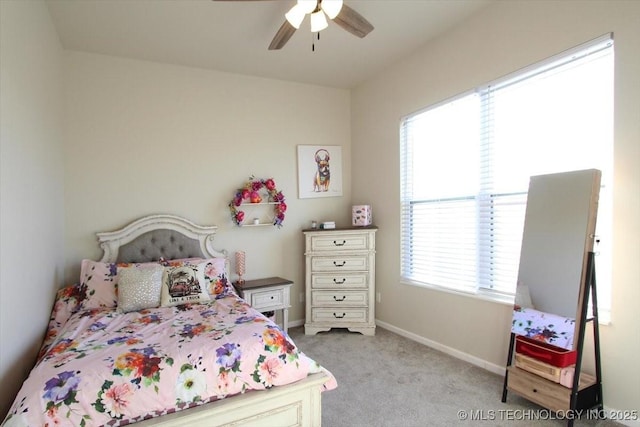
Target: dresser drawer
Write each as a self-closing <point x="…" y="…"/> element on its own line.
<point x="339" y="281"/>
<point x="339" y="298"/>
<point x="339" y="263"/>
<point x="338" y="315"/>
<point x="340" y="242"/>
<point x="266" y="299"/>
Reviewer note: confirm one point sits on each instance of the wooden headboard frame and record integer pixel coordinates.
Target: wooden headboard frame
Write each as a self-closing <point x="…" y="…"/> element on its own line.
<point x="179" y="228"/>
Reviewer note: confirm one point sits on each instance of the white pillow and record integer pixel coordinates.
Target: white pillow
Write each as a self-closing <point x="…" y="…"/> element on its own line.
<point x="184" y="284"/>
<point x="139" y="287"/>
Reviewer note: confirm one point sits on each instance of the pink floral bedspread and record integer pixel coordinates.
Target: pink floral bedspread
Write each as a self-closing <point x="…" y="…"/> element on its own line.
<point x="102" y="367"/>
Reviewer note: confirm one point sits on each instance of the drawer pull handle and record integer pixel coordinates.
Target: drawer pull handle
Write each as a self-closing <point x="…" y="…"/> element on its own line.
<point x="339" y="244"/>
<point x="535" y="390"/>
<point x="340" y="265"/>
<point x="339" y="317"/>
<point x="339" y="282"/>
<point x="339" y="299"/>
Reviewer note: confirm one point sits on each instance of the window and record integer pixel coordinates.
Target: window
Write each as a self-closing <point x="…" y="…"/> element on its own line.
<point x="466" y="164"/>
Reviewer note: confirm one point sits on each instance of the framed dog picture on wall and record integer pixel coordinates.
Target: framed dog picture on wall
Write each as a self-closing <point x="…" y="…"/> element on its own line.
<point x="319" y="171"/>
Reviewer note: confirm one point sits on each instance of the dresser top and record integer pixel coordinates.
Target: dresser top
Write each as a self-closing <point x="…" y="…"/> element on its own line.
<point x="350" y="228"/>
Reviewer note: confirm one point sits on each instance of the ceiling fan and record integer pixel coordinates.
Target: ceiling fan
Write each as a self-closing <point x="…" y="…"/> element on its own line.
<point x="336" y="10"/>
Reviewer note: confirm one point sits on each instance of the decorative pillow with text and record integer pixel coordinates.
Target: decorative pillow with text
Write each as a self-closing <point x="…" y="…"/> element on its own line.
<point x="216" y="273"/>
<point x="184" y="284"/>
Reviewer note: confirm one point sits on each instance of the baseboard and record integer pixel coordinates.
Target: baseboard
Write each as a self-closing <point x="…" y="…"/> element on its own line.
<point x="295" y="323"/>
<point x="491" y="367"/>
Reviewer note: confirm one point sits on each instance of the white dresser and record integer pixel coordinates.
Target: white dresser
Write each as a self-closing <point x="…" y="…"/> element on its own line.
<point x="340" y="279"/>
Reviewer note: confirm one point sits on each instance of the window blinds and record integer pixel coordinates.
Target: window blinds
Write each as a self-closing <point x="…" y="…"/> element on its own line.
<point x="466" y="163"/>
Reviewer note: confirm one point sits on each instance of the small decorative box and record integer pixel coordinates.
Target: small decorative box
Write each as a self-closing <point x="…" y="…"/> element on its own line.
<point x="361" y="215"/>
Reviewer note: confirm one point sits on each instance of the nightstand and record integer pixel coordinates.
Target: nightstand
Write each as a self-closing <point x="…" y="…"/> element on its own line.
<point x="270" y="294"/>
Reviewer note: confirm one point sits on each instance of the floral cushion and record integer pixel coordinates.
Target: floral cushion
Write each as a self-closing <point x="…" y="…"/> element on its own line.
<point x="99" y="280"/>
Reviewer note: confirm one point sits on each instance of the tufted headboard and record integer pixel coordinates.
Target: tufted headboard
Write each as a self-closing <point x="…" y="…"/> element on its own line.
<point x="158" y="236"/>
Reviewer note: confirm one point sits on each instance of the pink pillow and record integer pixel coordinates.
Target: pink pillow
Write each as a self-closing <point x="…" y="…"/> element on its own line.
<point x="215" y="271"/>
<point x="100" y="280"/>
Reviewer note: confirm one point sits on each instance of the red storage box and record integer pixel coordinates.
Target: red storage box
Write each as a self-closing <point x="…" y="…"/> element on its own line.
<point x="544" y="352"/>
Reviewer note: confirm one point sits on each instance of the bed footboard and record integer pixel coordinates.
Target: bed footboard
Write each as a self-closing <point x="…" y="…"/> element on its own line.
<point x="297" y="404"/>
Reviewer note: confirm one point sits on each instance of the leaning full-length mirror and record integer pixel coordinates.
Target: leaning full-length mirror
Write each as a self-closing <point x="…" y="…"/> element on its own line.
<point x="558" y="235"/>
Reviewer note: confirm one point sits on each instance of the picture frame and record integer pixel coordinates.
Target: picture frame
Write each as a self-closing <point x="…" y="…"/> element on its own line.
<point x="319" y="171"/>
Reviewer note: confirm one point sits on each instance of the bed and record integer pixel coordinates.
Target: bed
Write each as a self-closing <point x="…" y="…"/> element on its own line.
<point x="154" y="334"/>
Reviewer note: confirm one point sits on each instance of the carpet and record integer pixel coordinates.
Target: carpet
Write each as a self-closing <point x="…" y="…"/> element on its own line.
<point x="388" y="380"/>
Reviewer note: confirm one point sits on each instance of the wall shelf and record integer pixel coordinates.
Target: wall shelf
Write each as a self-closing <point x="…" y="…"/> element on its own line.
<point x="262" y="211"/>
<point x="258" y="203"/>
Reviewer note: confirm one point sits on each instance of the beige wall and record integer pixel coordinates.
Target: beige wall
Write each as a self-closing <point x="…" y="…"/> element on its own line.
<point x="145" y="138"/>
<point x="501" y="39"/>
<point x="31" y="186"/>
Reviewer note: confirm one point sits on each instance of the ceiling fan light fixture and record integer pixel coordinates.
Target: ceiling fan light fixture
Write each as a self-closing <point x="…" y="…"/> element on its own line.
<point x="307" y="6"/>
<point x="331" y="7"/>
<point x="295" y="16"/>
<point x="318" y="21"/>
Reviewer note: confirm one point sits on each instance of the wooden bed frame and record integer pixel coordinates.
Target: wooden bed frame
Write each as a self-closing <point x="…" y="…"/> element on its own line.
<point x="296" y="404"/>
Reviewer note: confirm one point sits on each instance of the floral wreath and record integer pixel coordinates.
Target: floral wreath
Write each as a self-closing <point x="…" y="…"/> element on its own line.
<point x="250" y="191"/>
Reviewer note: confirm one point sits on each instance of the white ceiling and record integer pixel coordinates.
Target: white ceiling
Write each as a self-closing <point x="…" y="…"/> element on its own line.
<point x="233" y="36"/>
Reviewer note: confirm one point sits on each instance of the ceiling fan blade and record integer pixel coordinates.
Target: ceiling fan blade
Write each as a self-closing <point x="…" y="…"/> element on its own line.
<point x="353" y="22"/>
<point x="282" y="36"/>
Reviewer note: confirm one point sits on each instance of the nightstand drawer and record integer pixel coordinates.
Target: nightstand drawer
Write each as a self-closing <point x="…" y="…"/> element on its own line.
<point x="340" y="242"/>
<point x="339" y="298"/>
<point x="268" y="298"/>
<point x="333" y="281"/>
<point x="339" y="315"/>
<point x="340" y="263"/>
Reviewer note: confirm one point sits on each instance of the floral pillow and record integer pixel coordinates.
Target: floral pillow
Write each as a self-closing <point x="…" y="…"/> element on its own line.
<point x="184" y="284"/>
<point x="99" y="280"/>
<point x="216" y="272"/>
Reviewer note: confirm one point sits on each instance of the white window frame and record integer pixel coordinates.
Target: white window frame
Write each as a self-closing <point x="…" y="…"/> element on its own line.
<point x="484" y="94"/>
